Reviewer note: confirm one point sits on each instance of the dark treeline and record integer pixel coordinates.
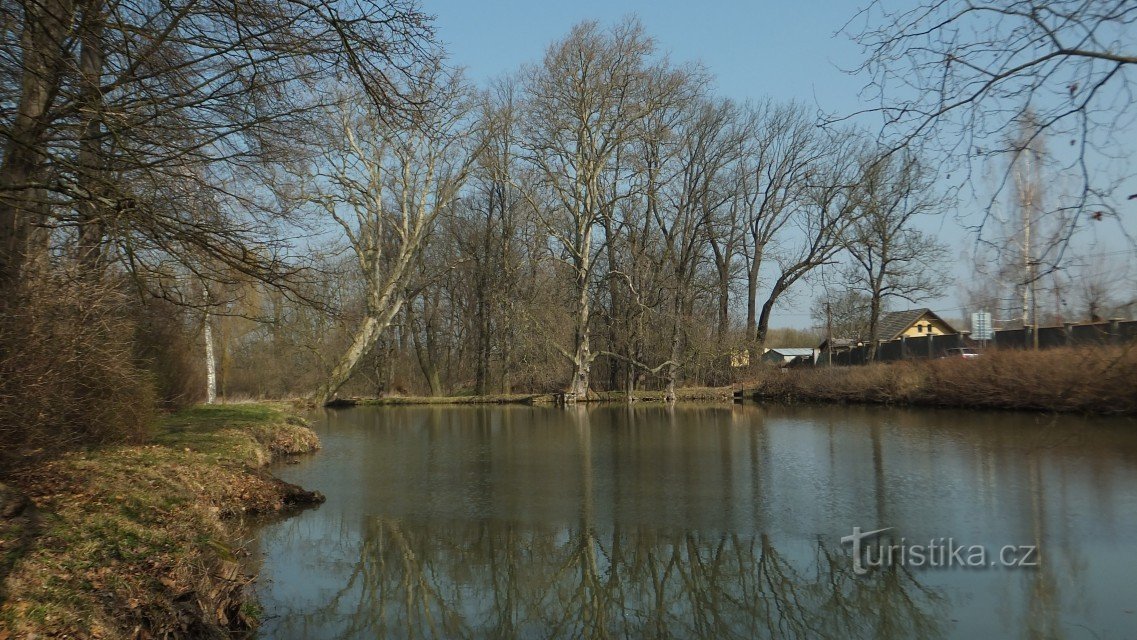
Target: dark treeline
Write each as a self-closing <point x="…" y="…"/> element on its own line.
<point x="270" y="199"/>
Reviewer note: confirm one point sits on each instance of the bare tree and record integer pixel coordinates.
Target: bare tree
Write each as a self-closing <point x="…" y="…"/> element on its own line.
<point x="120" y="103"/>
<point x="582" y="105"/>
<point x="385" y="184"/>
<point x="773" y="178"/>
<point x="708" y="142"/>
<point x="890" y="259"/>
<point x="961" y="74"/>
<point x="844" y="315"/>
<point x="813" y="227"/>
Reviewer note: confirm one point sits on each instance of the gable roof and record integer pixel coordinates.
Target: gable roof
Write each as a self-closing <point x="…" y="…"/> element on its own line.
<point x="894" y="323"/>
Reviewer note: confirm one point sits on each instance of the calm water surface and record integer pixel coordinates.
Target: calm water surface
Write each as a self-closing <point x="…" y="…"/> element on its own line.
<point x="702" y="521"/>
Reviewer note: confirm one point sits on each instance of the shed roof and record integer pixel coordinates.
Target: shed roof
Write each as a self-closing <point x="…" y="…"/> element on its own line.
<point x="792" y="351"/>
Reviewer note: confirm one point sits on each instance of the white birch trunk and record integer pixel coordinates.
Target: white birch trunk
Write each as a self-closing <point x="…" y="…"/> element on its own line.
<point x="210" y="365"/>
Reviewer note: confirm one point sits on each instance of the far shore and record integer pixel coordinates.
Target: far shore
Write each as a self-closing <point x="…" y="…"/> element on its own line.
<point x="1089" y="380"/>
<point x="684" y="394"/>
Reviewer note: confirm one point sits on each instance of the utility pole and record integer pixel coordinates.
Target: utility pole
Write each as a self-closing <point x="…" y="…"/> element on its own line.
<point x="1028" y="183"/>
<point x="828" y="332"/>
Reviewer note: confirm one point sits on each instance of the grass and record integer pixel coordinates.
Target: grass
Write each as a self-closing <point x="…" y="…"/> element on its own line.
<point x="133" y="541"/>
<point x="1097" y="380"/>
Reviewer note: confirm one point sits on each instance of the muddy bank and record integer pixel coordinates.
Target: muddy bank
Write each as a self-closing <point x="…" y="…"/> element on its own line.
<point x="137" y="541"/>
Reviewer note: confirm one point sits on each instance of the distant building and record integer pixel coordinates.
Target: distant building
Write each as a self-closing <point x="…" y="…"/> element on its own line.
<point x="785" y="355"/>
<point x="831" y="346"/>
<point x="912" y="323"/>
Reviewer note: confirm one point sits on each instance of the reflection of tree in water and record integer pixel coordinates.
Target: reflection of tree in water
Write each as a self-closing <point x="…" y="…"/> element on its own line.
<point x="500" y="580"/>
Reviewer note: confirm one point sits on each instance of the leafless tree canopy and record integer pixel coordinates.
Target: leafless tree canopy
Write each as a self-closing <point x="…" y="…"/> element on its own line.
<point x="961" y="75"/>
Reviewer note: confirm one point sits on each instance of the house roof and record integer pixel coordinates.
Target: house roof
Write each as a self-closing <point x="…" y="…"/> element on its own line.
<point x="894" y="323"/>
<point x="792" y="351"/>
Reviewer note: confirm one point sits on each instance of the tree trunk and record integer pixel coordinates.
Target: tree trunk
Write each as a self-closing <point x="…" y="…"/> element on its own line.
<point x="481" y="373"/>
<point x="582" y="355"/>
<point x="373" y="324"/>
<point x="874" y="320"/>
<point x="752" y="296"/>
<point x="724" y="305"/>
<point x="616" y="310"/>
<point x="91" y="161"/>
<point x="210" y="365"/>
<point x="764" y="320"/>
<point x="673" y="364"/>
<point x="46" y="24"/>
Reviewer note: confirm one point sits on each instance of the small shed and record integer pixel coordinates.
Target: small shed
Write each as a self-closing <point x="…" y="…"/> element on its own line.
<point x="785" y="355"/>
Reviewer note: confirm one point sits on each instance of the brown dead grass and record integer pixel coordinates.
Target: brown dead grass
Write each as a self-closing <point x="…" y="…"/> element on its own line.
<point x="1100" y="380"/>
<point x="133" y="541"/>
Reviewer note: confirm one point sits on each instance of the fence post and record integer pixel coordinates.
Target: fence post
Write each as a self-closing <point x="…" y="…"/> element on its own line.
<point x="1068" y="332"/>
<point x="931" y="346"/>
<point x="903" y="347"/>
<point x="1115" y="330"/>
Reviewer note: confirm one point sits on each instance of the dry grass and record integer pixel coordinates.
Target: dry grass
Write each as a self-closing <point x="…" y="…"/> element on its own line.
<point x="1100" y="380"/>
<point x="132" y="541"/>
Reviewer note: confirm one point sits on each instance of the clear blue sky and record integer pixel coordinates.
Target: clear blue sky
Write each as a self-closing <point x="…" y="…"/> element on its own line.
<point x="784" y="50"/>
<point x="755" y="49"/>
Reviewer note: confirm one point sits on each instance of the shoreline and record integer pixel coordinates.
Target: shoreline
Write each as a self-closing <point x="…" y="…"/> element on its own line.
<point x="683" y="394"/>
<point x="1088" y="380"/>
<point x="138" y="540"/>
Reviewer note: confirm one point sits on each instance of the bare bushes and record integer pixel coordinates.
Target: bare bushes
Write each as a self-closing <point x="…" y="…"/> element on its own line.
<point x="169" y="345"/>
<point x="1091" y="380"/>
<point x="68" y="372"/>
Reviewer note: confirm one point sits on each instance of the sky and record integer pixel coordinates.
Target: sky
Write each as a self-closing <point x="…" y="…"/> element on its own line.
<point x="755" y="49"/>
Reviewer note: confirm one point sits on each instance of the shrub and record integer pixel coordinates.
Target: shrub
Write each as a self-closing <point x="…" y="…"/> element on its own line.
<point x="1085" y="379"/>
<point x="68" y="372"/>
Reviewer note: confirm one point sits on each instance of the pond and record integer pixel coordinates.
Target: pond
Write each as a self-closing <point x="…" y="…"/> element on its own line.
<point x="711" y="521"/>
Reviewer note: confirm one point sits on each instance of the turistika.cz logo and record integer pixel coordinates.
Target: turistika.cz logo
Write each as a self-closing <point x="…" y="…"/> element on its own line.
<point x="872" y="550"/>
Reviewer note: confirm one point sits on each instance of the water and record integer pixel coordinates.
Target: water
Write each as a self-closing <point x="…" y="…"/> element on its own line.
<point x="703" y="521"/>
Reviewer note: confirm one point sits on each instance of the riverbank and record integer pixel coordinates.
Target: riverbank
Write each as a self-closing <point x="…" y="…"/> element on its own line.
<point x="1100" y="380"/>
<point x="686" y="394"/>
<point x="136" y="541"/>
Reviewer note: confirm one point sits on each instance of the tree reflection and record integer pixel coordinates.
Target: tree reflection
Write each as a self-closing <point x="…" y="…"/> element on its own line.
<point x="495" y="579"/>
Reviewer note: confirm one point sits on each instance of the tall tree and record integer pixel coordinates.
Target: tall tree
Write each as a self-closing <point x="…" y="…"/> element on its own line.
<point x="120" y="104"/>
<point x="385" y="184"/>
<point x="582" y="105"/>
<point x="772" y="182"/>
<point x="891" y="259"/>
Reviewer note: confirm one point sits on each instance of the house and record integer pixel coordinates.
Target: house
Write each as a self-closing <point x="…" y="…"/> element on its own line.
<point x="913" y="323"/>
<point x="785" y="355"/>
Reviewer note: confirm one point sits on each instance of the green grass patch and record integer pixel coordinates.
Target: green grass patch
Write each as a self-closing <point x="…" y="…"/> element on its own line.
<point x="126" y="536"/>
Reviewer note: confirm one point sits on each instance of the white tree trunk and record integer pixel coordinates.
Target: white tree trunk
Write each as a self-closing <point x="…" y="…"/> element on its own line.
<point x="210" y="365"/>
<point x="373" y="325"/>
